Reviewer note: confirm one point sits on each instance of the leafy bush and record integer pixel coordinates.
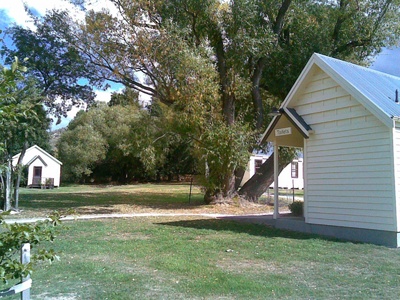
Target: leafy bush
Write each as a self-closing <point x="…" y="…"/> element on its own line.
<point x="297" y="208"/>
<point x="13" y="236"/>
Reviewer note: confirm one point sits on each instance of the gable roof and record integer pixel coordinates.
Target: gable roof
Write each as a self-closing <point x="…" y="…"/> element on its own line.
<point x="373" y="89"/>
<point x="293" y="117"/>
<point x="44" y="154"/>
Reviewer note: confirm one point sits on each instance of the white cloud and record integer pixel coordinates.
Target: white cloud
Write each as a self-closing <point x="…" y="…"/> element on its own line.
<point x="105" y="96"/>
<point x="16" y="13"/>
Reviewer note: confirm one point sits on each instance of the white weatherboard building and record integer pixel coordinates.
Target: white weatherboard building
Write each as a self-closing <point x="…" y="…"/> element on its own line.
<point x="43" y="168"/>
<point x="347" y="120"/>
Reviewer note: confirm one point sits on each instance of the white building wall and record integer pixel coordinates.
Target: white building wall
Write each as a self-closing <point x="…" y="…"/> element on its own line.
<point x="396" y="150"/>
<point x="285" y="180"/>
<point x="349" y="162"/>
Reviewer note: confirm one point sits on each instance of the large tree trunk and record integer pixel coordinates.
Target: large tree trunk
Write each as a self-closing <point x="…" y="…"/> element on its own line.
<point x="256" y="93"/>
<point x="232" y="179"/>
<point x="260" y="181"/>
<point x="228" y="188"/>
<point x="258" y="104"/>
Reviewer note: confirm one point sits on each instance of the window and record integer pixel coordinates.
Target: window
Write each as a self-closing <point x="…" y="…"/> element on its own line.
<point x="257" y="165"/>
<point x="295" y="169"/>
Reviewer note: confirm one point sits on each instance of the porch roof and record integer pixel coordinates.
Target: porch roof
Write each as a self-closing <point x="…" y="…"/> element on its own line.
<point x="287" y="129"/>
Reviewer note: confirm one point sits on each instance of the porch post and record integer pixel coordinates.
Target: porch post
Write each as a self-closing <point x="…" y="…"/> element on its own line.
<point x="276" y="186"/>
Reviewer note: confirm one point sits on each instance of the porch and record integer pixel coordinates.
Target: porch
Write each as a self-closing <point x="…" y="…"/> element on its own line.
<point x="42" y="182"/>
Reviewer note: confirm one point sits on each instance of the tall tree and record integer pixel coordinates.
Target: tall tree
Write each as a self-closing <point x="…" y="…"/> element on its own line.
<point x="22" y="121"/>
<point x="108" y="142"/>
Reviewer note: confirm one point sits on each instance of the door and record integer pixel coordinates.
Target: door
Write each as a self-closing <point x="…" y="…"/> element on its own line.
<point x="37" y="176"/>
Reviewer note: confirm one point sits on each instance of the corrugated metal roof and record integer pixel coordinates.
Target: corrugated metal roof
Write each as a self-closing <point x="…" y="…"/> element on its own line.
<point x="379" y="88"/>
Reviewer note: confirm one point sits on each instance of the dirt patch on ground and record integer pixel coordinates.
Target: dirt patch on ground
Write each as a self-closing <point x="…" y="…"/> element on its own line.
<point x="228" y="209"/>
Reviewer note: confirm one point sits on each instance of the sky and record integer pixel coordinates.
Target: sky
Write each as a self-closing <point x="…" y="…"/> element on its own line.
<point x="12" y="11"/>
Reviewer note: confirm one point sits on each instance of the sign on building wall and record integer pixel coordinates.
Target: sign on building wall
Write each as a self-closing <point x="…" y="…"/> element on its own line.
<point x="283" y="131"/>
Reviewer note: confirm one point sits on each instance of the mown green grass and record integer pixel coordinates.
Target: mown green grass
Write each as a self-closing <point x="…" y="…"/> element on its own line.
<point x="189" y="258"/>
<point x="192" y="258"/>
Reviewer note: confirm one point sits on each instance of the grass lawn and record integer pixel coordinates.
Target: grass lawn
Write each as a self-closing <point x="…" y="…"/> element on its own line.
<point x="194" y="257"/>
<point x="191" y="258"/>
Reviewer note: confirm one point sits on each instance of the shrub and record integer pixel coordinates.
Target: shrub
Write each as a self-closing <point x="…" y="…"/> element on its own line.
<point x="13" y="236"/>
<point x="297" y="208"/>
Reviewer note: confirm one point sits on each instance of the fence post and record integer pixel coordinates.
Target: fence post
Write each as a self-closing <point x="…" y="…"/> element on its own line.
<point x="25" y="259"/>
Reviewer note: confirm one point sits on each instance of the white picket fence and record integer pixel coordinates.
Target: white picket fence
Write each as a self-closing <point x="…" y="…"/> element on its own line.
<point x="24" y="287"/>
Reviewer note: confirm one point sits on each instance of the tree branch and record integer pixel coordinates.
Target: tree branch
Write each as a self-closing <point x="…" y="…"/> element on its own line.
<point x="278" y="24"/>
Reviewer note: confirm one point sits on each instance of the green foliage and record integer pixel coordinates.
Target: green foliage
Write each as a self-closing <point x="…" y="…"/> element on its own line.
<point x="126" y="98"/>
<point x="120" y="143"/>
<point x="56" y="66"/>
<point x="13" y="236"/>
<point x="22" y="122"/>
<point x="349" y="30"/>
<point x="297" y="208"/>
<point x="223" y="148"/>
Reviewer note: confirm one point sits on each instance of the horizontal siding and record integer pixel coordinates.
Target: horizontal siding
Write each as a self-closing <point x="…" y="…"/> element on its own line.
<point x="319" y="197"/>
<point x="331" y="163"/>
<point x="350" y="131"/>
<point x="348" y="211"/>
<point x="352" y="149"/>
<point x="330" y="145"/>
<point x="375" y="137"/>
<point x="381" y="182"/>
<point x="344" y="186"/>
<point x="332" y="116"/>
<point x="349" y="159"/>
<point x="396" y="141"/>
<point x="371" y="173"/>
<point x="345" y="207"/>
<point x="349" y="221"/>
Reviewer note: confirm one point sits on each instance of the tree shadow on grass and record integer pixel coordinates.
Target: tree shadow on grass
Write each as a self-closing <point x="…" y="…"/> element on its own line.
<point x="251" y="228"/>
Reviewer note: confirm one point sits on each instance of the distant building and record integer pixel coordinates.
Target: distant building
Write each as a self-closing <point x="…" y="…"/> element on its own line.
<point x="44" y="170"/>
<point x="290" y="177"/>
